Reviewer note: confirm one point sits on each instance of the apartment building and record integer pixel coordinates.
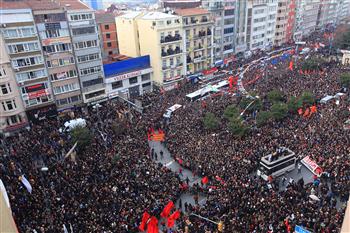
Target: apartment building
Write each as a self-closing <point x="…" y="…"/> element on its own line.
<point x="180" y="4"/>
<point x="86" y="47"/>
<point x="198" y="43"/>
<point x="27" y="60"/>
<point x="52" y="27"/>
<point x="261" y="23"/>
<point x="12" y="111"/>
<point x="241" y="27"/>
<point x="158" y="35"/>
<point x="284" y="21"/>
<point x="108" y="34"/>
<point x="306" y="17"/>
<point x="327" y="13"/>
<point x="343" y="10"/>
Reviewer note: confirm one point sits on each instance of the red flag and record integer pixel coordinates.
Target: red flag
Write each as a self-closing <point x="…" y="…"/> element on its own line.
<point x="166" y="211"/>
<point x="205" y="180"/>
<point x="230" y="81"/>
<point x="145" y="218"/>
<point x="152" y="226"/>
<point x="172" y="218"/>
<point x="291" y="65"/>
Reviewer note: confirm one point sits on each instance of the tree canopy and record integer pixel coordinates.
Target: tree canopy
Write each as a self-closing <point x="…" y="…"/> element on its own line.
<point x="210" y="121"/>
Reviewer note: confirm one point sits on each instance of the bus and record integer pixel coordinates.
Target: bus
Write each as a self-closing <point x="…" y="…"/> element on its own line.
<point x="277" y="163"/>
<point x="207" y="90"/>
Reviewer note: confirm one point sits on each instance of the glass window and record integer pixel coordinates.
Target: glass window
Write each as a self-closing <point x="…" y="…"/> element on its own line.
<point x="117" y="84"/>
<point x="133" y="80"/>
<point x="145" y="77"/>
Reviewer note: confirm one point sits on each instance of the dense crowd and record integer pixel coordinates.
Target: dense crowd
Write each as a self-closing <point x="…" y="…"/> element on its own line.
<point x="107" y="186"/>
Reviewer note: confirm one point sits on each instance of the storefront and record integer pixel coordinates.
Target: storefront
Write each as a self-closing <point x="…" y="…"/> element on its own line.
<point x="42" y="113"/>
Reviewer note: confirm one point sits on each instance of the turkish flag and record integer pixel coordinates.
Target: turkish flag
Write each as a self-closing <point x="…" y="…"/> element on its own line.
<point x="152" y="226"/>
<point x="291" y="65"/>
<point x="166" y="211"/>
<point x="172" y="218"/>
<point x="145" y="218"/>
<point x="205" y="180"/>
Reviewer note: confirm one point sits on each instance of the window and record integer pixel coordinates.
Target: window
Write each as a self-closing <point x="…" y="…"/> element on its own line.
<point x="146" y="84"/>
<point x="94" y="94"/>
<point x="229" y="12"/>
<point x="106" y="26"/>
<point x="89" y="57"/>
<point x="90" y="70"/>
<point x="12" y="120"/>
<point x="9" y="105"/>
<point x="57" y="48"/>
<point x="66" y="88"/>
<point x="117" y="84"/>
<point x="258" y="20"/>
<point x="109" y="44"/>
<point x="2" y="72"/>
<point x="108" y="35"/>
<point x="23" y="47"/>
<point x="133" y="80"/>
<point x="28" y="61"/>
<point x="83" y="31"/>
<point x="63" y="75"/>
<point x="60" y="62"/>
<point x="68" y="100"/>
<point x="85" y="44"/>
<point x="259" y="11"/>
<point x="228" y="30"/>
<point x="21" y="77"/>
<point x="145" y="77"/>
<point x="5" y="89"/>
<point x="78" y="17"/>
<point x="92" y="82"/>
<point x="19" y="32"/>
<point x="110" y="52"/>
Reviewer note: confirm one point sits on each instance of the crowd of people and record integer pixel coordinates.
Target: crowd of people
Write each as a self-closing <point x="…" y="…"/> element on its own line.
<point x="109" y="184"/>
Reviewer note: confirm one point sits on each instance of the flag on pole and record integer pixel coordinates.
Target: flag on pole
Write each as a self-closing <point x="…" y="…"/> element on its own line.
<point x="205" y="180"/>
<point x="291" y="65"/>
<point x="26" y="183"/>
<point x="166" y="211"/>
<point x="152" y="226"/>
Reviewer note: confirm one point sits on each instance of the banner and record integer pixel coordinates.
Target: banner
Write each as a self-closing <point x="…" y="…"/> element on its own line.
<point x="312" y="166"/>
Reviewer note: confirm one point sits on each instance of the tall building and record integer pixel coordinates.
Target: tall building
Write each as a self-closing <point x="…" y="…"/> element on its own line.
<point x="327" y="13"/>
<point x="26" y="56"/>
<point x="52" y="27"/>
<point x="94" y="4"/>
<point x="343" y="10"/>
<point x="158" y="35"/>
<point x="261" y="23"/>
<point x="198" y="43"/>
<point x="12" y="112"/>
<point x="241" y="27"/>
<point x="306" y="17"/>
<point x="284" y="21"/>
<point x="108" y="34"/>
<point x="86" y="47"/>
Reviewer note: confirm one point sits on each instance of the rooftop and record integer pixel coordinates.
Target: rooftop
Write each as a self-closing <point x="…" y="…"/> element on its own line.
<point x="191" y="11"/>
<point x="131" y="14"/>
<point x="106" y="17"/>
<point x="158" y="15"/>
<point x="42" y="4"/>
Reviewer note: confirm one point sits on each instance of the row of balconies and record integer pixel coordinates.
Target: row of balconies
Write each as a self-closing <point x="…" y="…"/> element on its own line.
<point x="171" y="66"/>
<point x="170" y="38"/>
<point x="170" y="52"/>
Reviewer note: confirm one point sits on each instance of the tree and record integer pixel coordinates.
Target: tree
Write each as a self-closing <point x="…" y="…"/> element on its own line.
<point x="345" y="80"/>
<point x="312" y="64"/>
<point x="306" y="98"/>
<point x="256" y="105"/>
<point x="82" y="135"/>
<point x="237" y="127"/>
<point x="262" y="118"/>
<point x="279" y="111"/>
<point x="210" y="121"/>
<point x="293" y="104"/>
<point x="275" y="96"/>
<point x="231" y="111"/>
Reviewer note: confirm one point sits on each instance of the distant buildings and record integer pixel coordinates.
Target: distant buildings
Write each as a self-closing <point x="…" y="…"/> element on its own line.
<point x="94" y="4"/>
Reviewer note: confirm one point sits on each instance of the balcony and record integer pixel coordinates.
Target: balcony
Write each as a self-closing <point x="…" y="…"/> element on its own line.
<point x="170" y="39"/>
<point x="200" y="47"/>
<point x="171" y="52"/>
<point x="94" y="87"/>
<point x="164" y="68"/>
<point x="198" y="59"/>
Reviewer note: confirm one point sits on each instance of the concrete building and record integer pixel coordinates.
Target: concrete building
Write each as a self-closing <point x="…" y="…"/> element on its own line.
<point x="27" y="60"/>
<point x="261" y="23"/>
<point x="198" y="43"/>
<point x="12" y="111"/>
<point x="241" y="27"/>
<point x="306" y="17"/>
<point x="108" y="34"/>
<point x="284" y="21"/>
<point x="158" y="35"/>
<point x="343" y="10"/>
<point x="52" y="27"/>
<point x="327" y="13"/>
<point x="129" y="78"/>
<point x="86" y="47"/>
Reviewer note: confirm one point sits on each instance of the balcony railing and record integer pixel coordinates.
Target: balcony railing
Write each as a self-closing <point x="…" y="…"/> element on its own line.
<point x="169" y="39"/>
<point x="171" y="52"/>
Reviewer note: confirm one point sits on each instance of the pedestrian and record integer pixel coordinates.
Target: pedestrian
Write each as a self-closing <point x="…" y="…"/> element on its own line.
<point x="180" y="203"/>
<point x="161" y="155"/>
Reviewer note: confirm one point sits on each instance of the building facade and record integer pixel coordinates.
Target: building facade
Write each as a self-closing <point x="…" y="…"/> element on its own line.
<point x="86" y="47"/>
<point x="12" y="111"/>
<point x="284" y="21"/>
<point x="241" y="27"/>
<point x="164" y="43"/>
<point x="306" y="18"/>
<point x="108" y="34"/>
<point x="261" y="24"/>
<point x="327" y="13"/>
<point x="52" y="27"/>
<point x="198" y="39"/>
<point x="343" y="10"/>
<point x="129" y="78"/>
<point x="26" y="56"/>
